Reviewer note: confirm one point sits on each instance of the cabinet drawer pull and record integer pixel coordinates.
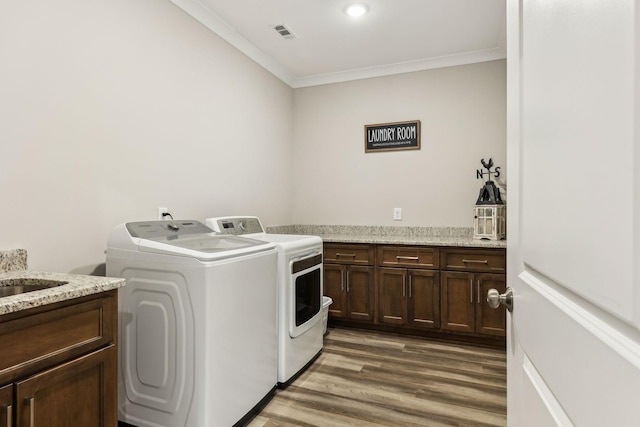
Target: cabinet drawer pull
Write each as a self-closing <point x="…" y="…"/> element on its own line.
<point x="471" y="291"/>
<point x="404" y="286"/>
<point x="475" y="261"/>
<point x="348" y="290"/>
<point x="32" y="412"/>
<point x="409" y="258"/>
<point x="338" y="254"/>
<point x="9" y="415"/>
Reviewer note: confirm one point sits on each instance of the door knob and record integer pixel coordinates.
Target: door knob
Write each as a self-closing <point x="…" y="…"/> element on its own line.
<point x="494" y="298"/>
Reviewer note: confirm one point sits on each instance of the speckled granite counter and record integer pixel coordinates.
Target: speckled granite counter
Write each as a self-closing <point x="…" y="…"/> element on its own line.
<point x="13" y="265"/>
<point x="13" y="260"/>
<point x="427" y="236"/>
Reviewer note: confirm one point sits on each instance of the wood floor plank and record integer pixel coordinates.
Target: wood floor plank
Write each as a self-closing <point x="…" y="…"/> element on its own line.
<point x="339" y="361"/>
<point x="396" y="396"/>
<point x="473" y="371"/>
<point x="446" y="360"/>
<point x="368" y="378"/>
<point x="349" y="412"/>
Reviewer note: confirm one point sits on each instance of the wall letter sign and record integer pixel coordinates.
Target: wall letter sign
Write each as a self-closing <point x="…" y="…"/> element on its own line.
<point x="392" y="136"/>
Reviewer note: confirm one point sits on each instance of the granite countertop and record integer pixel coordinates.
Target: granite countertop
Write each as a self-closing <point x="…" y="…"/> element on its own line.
<point x="424" y="236"/>
<point x="13" y="266"/>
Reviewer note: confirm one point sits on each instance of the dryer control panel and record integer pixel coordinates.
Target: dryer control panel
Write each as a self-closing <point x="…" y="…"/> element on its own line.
<point x="235" y="225"/>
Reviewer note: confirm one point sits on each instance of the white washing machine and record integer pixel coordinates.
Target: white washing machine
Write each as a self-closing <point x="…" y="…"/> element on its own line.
<point x="197" y="324"/>
<point x="299" y="292"/>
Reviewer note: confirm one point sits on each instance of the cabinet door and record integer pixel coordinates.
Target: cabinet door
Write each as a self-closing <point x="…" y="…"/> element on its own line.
<point x="6" y="406"/>
<point x="457" y="309"/>
<point x="334" y="287"/>
<point x="360" y="289"/>
<point x="78" y="393"/>
<point x="392" y="288"/>
<point x="423" y="299"/>
<point x="490" y="321"/>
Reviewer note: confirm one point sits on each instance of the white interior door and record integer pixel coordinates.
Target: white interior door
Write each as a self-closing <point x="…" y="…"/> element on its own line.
<point x="574" y="212"/>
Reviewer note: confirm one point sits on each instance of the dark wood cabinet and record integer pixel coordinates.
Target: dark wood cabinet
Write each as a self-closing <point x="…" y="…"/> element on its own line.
<point x="408" y="286"/>
<point x="409" y="297"/>
<point x="458" y="310"/>
<point x="349" y="281"/>
<point x="490" y="321"/>
<point x="6" y="406"/>
<point x="464" y="291"/>
<point x="333" y="286"/>
<point x="424" y="299"/>
<point x="348" y="254"/>
<point x="360" y="292"/>
<point x="77" y="393"/>
<point x="58" y="366"/>
<point x="473" y="259"/>
<point x="392" y="289"/>
<point x="421" y="290"/>
<point x="408" y="256"/>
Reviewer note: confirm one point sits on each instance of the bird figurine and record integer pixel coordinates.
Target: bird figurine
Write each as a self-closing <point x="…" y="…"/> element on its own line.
<point x="489" y="193"/>
<point x="488" y="165"/>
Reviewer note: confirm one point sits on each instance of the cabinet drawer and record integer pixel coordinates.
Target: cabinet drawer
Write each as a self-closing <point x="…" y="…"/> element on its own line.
<point x="489" y="260"/>
<point x="45" y="338"/>
<point x="408" y="256"/>
<point x="348" y="254"/>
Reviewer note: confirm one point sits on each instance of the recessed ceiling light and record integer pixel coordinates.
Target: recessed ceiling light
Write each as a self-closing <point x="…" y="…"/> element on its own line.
<point x="356" y="10"/>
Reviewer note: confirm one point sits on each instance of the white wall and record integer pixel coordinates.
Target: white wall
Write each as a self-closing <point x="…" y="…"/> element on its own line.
<point x="463" y="119"/>
<point x="109" y="109"/>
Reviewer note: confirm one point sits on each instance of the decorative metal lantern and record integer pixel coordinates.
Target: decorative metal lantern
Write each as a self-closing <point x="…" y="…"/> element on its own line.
<point x="489" y="213"/>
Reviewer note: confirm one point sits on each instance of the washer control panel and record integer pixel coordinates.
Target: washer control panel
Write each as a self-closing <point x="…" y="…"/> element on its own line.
<point x="235" y="225"/>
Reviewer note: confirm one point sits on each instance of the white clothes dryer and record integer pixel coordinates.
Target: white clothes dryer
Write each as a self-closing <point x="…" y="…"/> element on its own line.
<point x="197" y="324"/>
<point x="300" y="328"/>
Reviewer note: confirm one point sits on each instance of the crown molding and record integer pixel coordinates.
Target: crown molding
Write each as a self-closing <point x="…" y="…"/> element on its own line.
<point x="209" y="19"/>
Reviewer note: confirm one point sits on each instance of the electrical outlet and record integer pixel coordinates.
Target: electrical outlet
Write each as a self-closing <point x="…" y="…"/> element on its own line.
<point x="162" y="211"/>
<point x="397" y="214"/>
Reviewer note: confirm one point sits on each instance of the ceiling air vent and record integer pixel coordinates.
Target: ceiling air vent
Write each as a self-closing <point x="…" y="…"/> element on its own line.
<point x="284" y="31"/>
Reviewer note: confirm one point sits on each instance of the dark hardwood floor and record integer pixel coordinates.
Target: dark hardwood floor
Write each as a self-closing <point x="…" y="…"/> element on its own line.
<point x="366" y="378"/>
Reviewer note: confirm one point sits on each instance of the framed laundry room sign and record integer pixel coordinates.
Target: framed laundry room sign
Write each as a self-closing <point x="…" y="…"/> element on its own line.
<point x="392" y="136"/>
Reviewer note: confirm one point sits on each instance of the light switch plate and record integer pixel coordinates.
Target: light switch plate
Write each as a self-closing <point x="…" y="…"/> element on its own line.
<point x="397" y="214"/>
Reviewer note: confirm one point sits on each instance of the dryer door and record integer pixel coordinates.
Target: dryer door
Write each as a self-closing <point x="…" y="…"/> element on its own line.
<point x="306" y="291"/>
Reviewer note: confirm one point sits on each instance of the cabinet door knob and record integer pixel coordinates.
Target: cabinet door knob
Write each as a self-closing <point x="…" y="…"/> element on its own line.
<point x="494" y="298"/>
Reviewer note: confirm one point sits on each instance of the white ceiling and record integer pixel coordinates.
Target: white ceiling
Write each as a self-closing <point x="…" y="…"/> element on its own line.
<point x="396" y="36"/>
